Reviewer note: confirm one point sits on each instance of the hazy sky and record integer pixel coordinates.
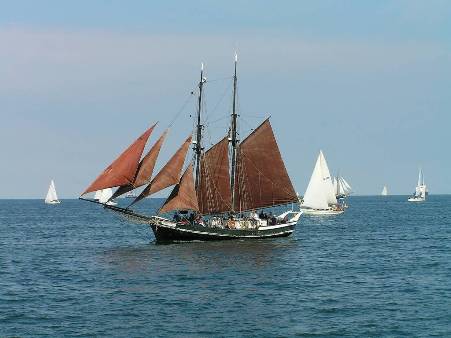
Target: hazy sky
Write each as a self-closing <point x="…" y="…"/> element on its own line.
<point x="368" y="82"/>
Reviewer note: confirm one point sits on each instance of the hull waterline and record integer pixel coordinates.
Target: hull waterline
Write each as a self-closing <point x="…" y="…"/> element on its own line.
<point x="184" y="233"/>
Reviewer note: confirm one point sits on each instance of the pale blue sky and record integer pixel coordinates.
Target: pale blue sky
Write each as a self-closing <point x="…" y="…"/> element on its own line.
<point x="368" y="82"/>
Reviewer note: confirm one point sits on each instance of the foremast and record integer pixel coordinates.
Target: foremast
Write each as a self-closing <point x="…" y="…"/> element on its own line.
<point x="198" y="146"/>
<point x="233" y="138"/>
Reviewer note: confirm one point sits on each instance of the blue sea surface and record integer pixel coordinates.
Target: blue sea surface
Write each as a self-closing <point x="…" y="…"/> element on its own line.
<point x="75" y="270"/>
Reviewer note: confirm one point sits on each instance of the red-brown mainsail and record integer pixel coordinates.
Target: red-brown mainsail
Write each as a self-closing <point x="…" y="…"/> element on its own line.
<point x="145" y="169"/>
<point x="262" y="179"/>
<point x="123" y="170"/>
<point x="169" y="174"/>
<point x="214" y="192"/>
<point x="183" y="196"/>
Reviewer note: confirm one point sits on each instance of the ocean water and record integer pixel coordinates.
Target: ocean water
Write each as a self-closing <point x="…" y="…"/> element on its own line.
<point x="75" y="270"/>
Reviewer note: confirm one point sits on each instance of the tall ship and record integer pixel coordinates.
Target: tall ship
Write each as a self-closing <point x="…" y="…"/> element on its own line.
<point x="421" y="190"/>
<point x="222" y="193"/>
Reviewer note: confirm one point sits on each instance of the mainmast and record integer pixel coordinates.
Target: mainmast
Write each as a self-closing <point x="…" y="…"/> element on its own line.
<point x="233" y="138"/>
<point x="198" y="146"/>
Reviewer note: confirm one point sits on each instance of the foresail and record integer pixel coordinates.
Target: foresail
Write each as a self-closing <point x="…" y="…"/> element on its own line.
<point x="145" y="169"/>
<point x="262" y="179"/>
<point x="169" y="174"/>
<point x="327" y="180"/>
<point x="183" y="196"/>
<point x="214" y="192"/>
<point x="122" y="171"/>
<point x="347" y="188"/>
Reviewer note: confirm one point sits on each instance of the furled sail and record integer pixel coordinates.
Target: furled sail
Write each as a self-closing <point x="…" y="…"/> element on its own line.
<point x="183" y="196"/>
<point x="214" y="193"/>
<point x="122" y="171"/>
<point x="261" y="179"/>
<point x="320" y="191"/>
<point x="169" y="174"/>
<point x="145" y="169"/>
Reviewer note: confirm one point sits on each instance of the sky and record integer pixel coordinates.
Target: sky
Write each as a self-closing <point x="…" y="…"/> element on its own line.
<point x="368" y="82"/>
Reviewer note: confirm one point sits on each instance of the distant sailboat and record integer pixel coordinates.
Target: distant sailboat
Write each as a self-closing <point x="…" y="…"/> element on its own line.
<point x="341" y="187"/>
<point x="420" y="190"/>
<point x="319" y="198"/>
<point x="130" y="194"/>
<point x="104" y="196"/>
<point x="52" y="197"/>
<point x="384" y="191"/>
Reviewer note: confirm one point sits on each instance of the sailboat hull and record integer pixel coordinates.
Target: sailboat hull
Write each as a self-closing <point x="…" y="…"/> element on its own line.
<point x="315" y="212"/>
<point x="166" y="230"/>
<point x="52" y="202"/>
<point x="416" y="199"/>
<point x="184" y="233"/>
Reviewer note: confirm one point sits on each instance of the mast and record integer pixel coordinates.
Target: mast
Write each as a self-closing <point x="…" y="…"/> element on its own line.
<point x="198" y="146"/>
<point x="233" y="138"/>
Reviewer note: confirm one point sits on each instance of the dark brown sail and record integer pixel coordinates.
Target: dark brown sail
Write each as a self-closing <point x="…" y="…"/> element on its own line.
<point x="183" y="196"/>
<point x="145" y="169"/>
<point x="169" y="174"/>
<point x="122" y="171"/>
<point x="214" y="193"/>
<point x="262" y="179"/>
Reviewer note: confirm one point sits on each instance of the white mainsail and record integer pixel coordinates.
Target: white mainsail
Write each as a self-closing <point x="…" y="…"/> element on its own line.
<point x="320" y="191"/>
<point x="51" y="197"/>
<point x="384" y="191"/>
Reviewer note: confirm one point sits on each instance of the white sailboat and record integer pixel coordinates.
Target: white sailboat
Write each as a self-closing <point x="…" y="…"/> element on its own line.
<point x="384" y="191"/>
<point x="105" y="195"/>
<point x="420" y="189"/>
<point x="52" y="197"/>
<point x="319" y="198"/>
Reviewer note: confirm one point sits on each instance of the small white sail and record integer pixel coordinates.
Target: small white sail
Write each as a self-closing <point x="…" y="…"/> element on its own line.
<point x="105" y="195"/>
<point x="51" y="197"/>
<point x="320" y="191"/>
<point x="384" y="191"/>
<point x="97" y="195"/>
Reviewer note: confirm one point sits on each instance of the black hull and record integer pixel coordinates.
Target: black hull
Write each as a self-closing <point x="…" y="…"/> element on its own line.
<point x="165" y="234"/>
<point x="166" y="231"/>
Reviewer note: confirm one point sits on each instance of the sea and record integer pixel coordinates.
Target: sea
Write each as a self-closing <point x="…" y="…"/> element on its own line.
<point x="382" y="269"/>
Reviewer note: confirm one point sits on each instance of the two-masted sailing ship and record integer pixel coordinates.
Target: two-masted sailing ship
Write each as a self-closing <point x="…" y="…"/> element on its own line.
<point x="222" y="193"/>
